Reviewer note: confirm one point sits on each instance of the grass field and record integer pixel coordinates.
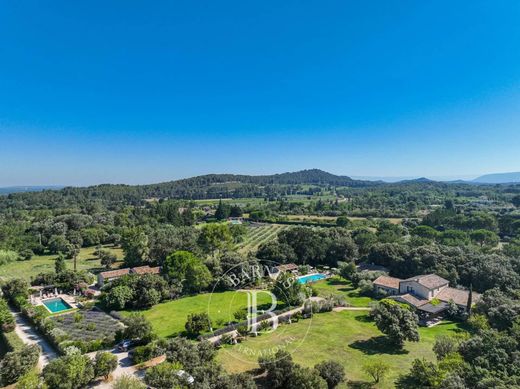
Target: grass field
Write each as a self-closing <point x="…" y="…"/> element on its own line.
<point x="348" y="337"/>
<point x="258" y="234"/>
<point x="45" y="263"/>
<point x="168" y="319"/>
<point x="337" y="285"/>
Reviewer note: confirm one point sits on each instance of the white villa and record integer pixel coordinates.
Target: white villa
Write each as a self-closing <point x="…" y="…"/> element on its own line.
<point x="428" y="293"/>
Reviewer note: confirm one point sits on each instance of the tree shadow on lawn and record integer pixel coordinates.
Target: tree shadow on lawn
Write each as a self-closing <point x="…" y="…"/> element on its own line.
<point x="360" y="385"/>
<point x="377" y="345"/>
<point x="364" y="318"/>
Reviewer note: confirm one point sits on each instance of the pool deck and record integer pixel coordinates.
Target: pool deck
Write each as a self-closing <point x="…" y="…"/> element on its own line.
<point x="70" y="300"/>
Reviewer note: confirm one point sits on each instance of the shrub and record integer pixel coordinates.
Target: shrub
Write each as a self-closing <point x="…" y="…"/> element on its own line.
<point x="6" y="319"/>
<point x="377" y="370"/>
<point x="164" y="376"/>
<point x="128" y="382"/>
<point x="137" y="327"/>
<point x="332" y="372"/>
<point x="152" y="350"/>
<point x="7" y="256"/>
<point x="104" y="364"/>
<point x="25" y="255"/>
<point x="198" y="322"/>
<point x="73" y="371"/>
<point x="17" y="363"/>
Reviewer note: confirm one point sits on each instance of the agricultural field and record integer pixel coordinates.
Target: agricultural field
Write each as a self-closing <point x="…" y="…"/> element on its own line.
<point x="257" y="234"/>
<point x="348" y="337"/>
<point x="87" y="325"/>
<point x="168" y="318"/>
<point x="45" y="263"/>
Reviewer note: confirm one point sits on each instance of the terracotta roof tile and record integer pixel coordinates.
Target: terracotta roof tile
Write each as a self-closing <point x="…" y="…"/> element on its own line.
<point x="458" y="296"/>
<point x="430" y="281"/>
<point x="115" y="273"/>
<point x="146" y="270"/>
<point x="387" y="282"/>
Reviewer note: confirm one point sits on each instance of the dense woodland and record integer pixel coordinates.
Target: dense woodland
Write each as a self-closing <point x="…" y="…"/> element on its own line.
<point x="465" y="233"/>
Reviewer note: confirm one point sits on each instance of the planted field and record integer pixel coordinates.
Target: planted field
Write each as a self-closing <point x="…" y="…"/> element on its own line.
<point x="87" y="325"/>
<point x="258" y="234"/>
<point x="45" y="263"/>
<point x="348" y="337"/>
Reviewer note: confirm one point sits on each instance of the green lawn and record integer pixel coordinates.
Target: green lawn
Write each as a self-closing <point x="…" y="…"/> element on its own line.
<point x="168" y="319"/>
<point x="337" y="285"/>
<point x="45" y="263"/>
<point x="348" y="337"/>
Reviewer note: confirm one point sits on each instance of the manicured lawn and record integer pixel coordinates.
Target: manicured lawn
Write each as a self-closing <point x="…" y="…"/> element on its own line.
<point x="337" y="285"/>
<point x="45" y="263"/>
<point x="168" y="319"/>
<point x="348" y="337"/>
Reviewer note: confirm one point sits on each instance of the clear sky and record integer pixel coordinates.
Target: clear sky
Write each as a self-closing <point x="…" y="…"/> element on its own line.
<point x="148" y="91"/>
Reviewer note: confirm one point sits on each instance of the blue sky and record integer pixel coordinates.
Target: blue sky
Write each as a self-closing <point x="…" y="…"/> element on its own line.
<point x="141" y="92"/>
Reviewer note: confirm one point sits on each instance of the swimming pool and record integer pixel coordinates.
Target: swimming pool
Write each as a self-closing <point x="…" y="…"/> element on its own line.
<point x="56" y="305"/>
<point x="311" y="278"/>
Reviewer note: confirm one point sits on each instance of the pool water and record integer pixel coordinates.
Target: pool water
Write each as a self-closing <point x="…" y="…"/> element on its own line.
<point x="56" y="305"/>
<point x="311" y="278"/>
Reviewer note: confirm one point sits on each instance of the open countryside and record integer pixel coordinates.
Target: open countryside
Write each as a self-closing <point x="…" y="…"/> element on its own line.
<point x="260" y="195"/>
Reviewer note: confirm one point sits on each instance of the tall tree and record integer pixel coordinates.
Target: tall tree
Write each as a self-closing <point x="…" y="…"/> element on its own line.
<point x="396" y="321"/>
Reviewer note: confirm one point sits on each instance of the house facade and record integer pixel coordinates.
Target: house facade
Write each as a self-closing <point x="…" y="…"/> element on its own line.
<point x="429" y="293"/>
<point x="107" y="276"/>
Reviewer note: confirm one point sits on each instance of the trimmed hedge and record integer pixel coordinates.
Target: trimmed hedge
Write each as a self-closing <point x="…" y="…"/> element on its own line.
<point x="235" y="326"/>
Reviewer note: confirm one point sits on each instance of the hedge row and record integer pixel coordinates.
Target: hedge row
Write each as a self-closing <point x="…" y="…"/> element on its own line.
<point x="234" y="326"/>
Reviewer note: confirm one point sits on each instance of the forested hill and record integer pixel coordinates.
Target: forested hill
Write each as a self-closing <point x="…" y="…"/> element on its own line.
<point x="202" y="187"/>
<point x="306" y="182"/>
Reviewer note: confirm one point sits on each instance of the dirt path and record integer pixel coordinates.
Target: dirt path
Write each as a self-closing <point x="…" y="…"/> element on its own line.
<point x="124" y="367"/>
<point x="30" y="336"/>
<point x="339" y="309"/>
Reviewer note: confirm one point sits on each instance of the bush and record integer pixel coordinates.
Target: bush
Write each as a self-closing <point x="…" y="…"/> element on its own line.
<point x="6" y="319"/>
<point x="17" y="363"/>
<point x="25" y="255"/>
<point x="366" y="288"/>
<point x="152" y="350"/>
<point x="198" y="322"/>
<point x="128" y="382"/>
<point x="164" y="376"/>
<point x="30" y="380"/>
<point x="73" y="371"/>
<point x="332" y="372"/>
<point x="8" y="256"/>
<point x="104" y="364"/>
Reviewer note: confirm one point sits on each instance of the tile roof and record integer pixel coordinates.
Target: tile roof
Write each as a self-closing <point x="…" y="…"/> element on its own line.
<point x="430" y="281"/>
<point x="458" y="296"/>
<point x="115" y="273"/>
<point x="146" y="270"/>
<point x="387" y="282"/>
<point x="287" y="266"/>
<point x="410" y="299"/>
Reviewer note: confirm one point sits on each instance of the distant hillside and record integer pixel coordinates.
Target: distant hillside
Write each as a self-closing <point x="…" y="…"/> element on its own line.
<point x="498" y="178"/>
<point x="204" y="187"/>
<point x="21" y="189"/>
